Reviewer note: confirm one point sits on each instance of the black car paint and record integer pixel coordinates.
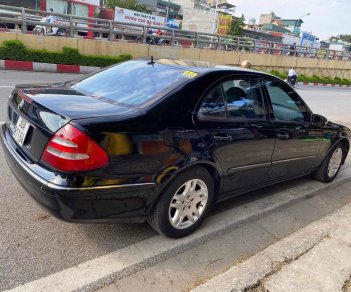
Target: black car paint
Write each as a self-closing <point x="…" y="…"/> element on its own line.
<point x="162" y="140"/>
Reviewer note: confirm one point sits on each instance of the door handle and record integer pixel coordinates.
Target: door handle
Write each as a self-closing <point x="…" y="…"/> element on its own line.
<point x="223" y="138"/>
<point x="283" y="135"/>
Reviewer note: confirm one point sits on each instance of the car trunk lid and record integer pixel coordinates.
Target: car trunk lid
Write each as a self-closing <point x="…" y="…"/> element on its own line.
<point x="35" y="113"/>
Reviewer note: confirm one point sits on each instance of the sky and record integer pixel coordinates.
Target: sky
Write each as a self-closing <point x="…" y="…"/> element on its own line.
<point x="328" y="17"/>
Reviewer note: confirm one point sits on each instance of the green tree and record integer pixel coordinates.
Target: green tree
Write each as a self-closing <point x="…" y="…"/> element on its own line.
<point x="128" y="4"/>
<point x="343" y="37"/>
<point x="237" y="25"/>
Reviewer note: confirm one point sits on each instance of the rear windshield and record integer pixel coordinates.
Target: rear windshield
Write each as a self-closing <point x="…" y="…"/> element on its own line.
<point x="134" y="83"/>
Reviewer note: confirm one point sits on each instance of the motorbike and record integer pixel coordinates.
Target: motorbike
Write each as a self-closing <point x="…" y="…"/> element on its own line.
<point x="153" y="40"/>
<point x="49" y="30"/>
<point x="292" y="81"/>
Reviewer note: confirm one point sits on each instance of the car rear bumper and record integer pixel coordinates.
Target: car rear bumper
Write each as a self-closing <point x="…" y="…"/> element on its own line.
<point x="110" y="203"/>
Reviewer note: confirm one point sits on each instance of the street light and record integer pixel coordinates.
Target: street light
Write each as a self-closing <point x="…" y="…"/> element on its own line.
<point x="298" y="20"/>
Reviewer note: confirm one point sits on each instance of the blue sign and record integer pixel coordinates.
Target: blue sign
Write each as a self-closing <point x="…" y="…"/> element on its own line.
<point x="307" y="40"/>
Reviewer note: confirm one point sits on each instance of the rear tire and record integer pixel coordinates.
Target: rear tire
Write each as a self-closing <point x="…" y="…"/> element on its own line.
<point x="39" y="31"/>
<point x="184" y="203"/>
<point x="331" y="165"/>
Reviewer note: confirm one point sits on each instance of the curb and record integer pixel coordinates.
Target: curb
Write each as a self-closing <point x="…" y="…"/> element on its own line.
<point x="46" y="67"/>
<point x="104" y="270"/>
<point x="247" y="275"/>
<point x="324" y="84"/>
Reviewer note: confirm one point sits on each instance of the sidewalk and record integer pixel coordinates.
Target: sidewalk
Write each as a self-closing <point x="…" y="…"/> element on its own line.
<point x="315" y="258"/>
<point x="295" y="248"/>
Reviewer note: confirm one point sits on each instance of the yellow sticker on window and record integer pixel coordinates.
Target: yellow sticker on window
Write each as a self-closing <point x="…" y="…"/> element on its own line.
<point x="189" y="74"/>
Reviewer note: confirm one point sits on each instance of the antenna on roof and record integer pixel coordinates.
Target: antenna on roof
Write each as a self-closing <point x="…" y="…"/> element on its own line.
<point x="152" y="61"/>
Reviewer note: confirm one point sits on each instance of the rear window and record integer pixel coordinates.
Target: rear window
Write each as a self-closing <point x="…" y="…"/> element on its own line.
<point x="133" y="83"/>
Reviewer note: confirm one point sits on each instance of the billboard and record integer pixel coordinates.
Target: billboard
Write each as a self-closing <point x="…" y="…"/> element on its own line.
<point x="307" y="40"/>
<point x="173" y="23"/>
<point x="224" y="22"/>
<point x="88" y="2"/>
<point x="135" y="17"/>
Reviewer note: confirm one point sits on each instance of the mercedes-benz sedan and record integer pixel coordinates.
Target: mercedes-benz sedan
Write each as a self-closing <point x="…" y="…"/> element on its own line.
<point x="163" y="141"/>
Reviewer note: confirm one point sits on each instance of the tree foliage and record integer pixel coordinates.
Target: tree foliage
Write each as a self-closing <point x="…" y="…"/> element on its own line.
<point x="237" y="25"/>
<point x="342" y="37"/>
<point x="128" y="4"/>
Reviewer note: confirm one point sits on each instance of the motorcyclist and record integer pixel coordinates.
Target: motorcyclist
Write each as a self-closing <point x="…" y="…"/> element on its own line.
<point x="51" y="18"/>
<point x="292" y="77"/>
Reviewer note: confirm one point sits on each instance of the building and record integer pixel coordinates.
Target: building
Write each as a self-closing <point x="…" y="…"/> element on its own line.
<point x="272" y="22"/>
<point x="268" y="18"/>
<point x="293" y="25"/>
<point x="222" y="6"/>
<point x="169" y="9"/>
<point x="32" y="4"/>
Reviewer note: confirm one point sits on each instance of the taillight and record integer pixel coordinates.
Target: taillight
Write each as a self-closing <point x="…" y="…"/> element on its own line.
<point x="72" y="150"/>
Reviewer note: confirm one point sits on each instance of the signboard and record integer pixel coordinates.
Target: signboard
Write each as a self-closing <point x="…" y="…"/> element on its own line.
<point x="307" y="40"/>
<point x="135" y="17"/>
<point x="173" y="23"/>
<point x="224" y="22"/>
<point x="88" y="2"/>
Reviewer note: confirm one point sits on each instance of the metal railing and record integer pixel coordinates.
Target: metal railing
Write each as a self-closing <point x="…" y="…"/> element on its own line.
<point x="73" y="26"/>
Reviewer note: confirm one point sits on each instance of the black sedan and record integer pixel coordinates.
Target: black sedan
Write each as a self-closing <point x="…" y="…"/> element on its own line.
<point x="163" y="141"/>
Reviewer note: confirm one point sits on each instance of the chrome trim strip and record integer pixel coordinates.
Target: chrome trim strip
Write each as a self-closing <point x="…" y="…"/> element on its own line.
<point x="293" y="159"/>
<point x="246" y="167"/>
<point x="57" y="187"/>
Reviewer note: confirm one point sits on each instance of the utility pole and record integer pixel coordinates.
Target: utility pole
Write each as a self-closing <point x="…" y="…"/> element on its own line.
<point x="167" y="12"/>
<point x="215" y="18"/>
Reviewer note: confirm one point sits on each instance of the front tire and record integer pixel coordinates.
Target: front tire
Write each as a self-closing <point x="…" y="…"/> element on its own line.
<point x="184" y="204"/>
<point x="331" y="165"/>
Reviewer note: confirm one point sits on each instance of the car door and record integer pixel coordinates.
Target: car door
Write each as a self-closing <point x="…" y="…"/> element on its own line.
<point x="233" y="121"/>
<point x="296" y="151"/>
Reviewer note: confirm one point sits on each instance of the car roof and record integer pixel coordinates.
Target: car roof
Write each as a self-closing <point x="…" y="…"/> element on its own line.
<point x="203" y="66"/>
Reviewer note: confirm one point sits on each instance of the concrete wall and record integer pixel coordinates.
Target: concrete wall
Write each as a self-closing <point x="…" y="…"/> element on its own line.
<point x="306" y="66"/>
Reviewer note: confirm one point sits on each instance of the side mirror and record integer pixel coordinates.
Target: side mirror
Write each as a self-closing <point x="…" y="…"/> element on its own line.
<point x="319" y="120"/>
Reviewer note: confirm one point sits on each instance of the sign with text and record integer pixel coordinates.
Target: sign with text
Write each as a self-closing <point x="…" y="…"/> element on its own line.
<point x="88" y="2"/>
<point x="135" y="17"/>
<point x="224" y="22"/>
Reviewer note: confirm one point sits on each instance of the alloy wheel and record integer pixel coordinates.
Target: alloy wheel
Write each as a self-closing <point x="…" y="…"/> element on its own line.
<point x="188" y="204"/>
<point x="335" y="162"/>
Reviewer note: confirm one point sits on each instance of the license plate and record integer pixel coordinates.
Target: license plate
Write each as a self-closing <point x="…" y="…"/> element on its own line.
<point x="20" y="130"/>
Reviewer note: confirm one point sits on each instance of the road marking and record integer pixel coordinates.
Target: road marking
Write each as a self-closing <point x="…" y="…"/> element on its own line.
<point x="105" y="269"/>
<point x="7" y="86"/>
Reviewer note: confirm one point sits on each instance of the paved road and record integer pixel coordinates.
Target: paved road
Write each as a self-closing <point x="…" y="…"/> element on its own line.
<point x="33" y="244"/>
<point x="332" y="102"/>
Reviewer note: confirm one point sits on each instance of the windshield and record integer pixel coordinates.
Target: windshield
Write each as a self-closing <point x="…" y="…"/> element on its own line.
<point x="133" y="83"/>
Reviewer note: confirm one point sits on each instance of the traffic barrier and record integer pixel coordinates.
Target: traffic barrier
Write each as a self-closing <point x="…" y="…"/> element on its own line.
<point x="46" y="67"/>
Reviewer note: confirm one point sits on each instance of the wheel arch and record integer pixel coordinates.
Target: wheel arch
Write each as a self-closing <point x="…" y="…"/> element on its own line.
<point x="211" y="168"/>
<point x="345" y="142"/>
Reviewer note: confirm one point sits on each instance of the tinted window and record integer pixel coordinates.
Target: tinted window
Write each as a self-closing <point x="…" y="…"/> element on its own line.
<point x="244" y="99"/>
<point x="287" y="106"/>
<point x="234" y="99"/>
<point x="133" y="83"/>
<point x="213" y="104"/>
